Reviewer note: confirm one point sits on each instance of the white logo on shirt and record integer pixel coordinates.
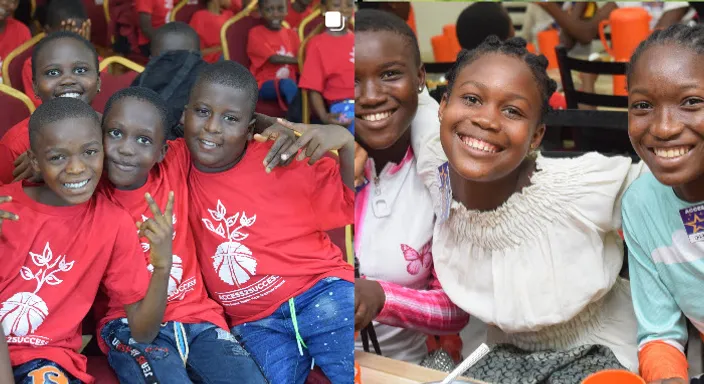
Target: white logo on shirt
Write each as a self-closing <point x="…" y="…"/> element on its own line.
<point x="177" y="288"/>
<point x="352" y="56"/>
<point x="24" y="312"/>
<point x="285" y="71"/>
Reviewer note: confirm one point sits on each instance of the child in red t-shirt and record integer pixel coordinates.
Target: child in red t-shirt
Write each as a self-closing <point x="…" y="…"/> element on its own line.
<point x="328" y="69"/>
<point x="261" y="236"/>
<point x="299" y="10"/>
<point x="272" y="50"/>
<point x="60" y="15"/>
<point x="207" y="23"/>
<point x="152" y="15"/>
<point x="138" y="160"/>
<point x="64" y="65"/>
<point x="68" y="242"/>
<point x="12" y="32"/>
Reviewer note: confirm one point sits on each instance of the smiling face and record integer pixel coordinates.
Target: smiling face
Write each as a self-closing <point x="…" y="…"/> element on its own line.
<point x="217" y="125"/>
<point x="666" y="113"/>
<point x="387" y="79"/>
<point x="491" y="118"/>
<point x="273" y="12"/>
<point x="66" y="68"/>
<point x="134" y="140"/>
<point x="69" y="155"/>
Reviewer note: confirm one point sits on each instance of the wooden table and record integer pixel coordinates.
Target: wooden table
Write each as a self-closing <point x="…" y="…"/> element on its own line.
<point x="381" y="370"/>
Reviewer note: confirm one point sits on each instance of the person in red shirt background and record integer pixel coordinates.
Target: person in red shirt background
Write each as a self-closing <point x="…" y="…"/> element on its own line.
<point x="272" y="50"/>
<point x="261" y="236"/>
<point x="58" y="15"/>
<point x="152" y="15"/>
<point x="207" y="23"/>
<point x="67" y="244"/>
<point x="64" y="65"/>
<point x="12" y="32"/>
<point x="328" y="69"/>
<point x="299" y="10"/>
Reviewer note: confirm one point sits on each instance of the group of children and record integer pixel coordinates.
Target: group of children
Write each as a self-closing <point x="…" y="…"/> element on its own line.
<point x="528" y="244"/>
<point x="225" y="251"/>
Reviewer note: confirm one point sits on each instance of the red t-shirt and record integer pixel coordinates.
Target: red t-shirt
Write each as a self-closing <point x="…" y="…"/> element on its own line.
<point x="54" y="261"/>
<point x="14" y="35"/>
<point x="27" y="80"/>
<point x="329" y="66"/>
<point x="188" y="300"/>
<point x="16" y="139"/>
<point x="160" y="10"/>
<point x="208" y="25"/>
<point x="262" y="43"/>
<point x="6" y="165"/>
<point x="261" y="237"/>
<point x="294" y="18"/>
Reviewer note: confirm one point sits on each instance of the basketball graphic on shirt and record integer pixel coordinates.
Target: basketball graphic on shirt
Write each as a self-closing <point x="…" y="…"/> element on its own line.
<point x="233" y="261"/>
<point x="24" y="312"/>
<point x="284" y="72"/>
<point x="175" y="275"/>
<point x="146" y="246"/>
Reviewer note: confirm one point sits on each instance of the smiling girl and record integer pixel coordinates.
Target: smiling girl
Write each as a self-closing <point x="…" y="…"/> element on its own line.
<point x="527" y="244"/>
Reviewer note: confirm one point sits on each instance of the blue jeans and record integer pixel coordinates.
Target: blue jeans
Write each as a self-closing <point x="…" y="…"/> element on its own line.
<point x="346" y="109"/>
<point x="325" y="317"/>
<point x="42" y="371"/>
<point x="213" y="355"/>
<point x="287" y="87"/>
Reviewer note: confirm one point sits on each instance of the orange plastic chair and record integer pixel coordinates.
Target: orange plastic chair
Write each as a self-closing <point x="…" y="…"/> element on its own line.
<point x="15" y="106"/>
<point x="13" y="63"/>
<point x="442" y="49"/>
<point x="450" y="31"/>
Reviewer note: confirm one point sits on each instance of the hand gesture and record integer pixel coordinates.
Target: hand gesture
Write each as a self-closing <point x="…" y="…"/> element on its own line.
<point x="283" y="138"/>
<point x="316" y="140"/>
<point x="24" y="170"/>
<point x="369" y="299"/>
<point x="160" y="231"/>
<point x="77" y="26"/>
<point x="360" y="159"/>
<point x="4" y="215"/>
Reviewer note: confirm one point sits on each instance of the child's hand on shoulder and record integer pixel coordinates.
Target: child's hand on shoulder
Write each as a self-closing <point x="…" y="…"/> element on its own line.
<point x="316" y="140"/>
<point x="24" y="170"/>
<point x="159" y="230"/>
<point x="283" y="138"/>
<point x="4" y="215"/>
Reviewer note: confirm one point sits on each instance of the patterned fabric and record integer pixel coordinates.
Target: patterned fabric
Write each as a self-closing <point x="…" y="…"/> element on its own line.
<point x="439" y="360"/>
<point x="506" y="364"/>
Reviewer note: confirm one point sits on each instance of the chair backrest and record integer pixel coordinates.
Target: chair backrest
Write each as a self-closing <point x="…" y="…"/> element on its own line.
<point x="15" y="106"/>
<point x="310" y="23"/>
<point x="184" y="10"/>
<point x="13" y="63"/>
<point x="110" y="83"/>
<point x="234" y="33"/>
<point x="574" y="97"/>
<point x="98" y="23"/>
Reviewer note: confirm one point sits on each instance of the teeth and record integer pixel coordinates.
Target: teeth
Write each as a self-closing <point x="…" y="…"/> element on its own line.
<point x="669" y="153"/>
<point x="76" y="185"/>
<point x="72" y="95"/>
<point x="478" y="144"/>
<point x="377" y="116"/>
<point x="208" y="144"/>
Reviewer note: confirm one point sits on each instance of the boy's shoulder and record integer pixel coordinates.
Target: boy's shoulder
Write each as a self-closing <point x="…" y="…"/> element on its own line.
<point x="646" y="189"/>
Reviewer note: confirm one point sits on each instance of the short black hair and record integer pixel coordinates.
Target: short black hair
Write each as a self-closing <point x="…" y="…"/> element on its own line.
<point x="53" y="37"/>
<point x="231" y="74"/>
<point x="59" y="109"/>
<point x="480" y="20"/>
<point x="145" y="95"/>
<point x="373" y="20"/>
<point x="514" y="47"/>
<point x="56" y="11"/>
<point x="678" y="34"/>
<point x="178" y="28"/>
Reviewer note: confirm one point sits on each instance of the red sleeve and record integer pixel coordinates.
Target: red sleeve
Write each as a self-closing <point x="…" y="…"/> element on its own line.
<point x="333" y="201"/>
<point x="27" y="82"/>
<point x="145" y="6"/>
<point x="6" y="165"/>
<point x="295" y="40"/>
<point x="428" y="311"/>
<point x="126" y="280"/>
<point x="197" y="24"/>
<point x="258" y="51"/>
<point x="313" y="77"/>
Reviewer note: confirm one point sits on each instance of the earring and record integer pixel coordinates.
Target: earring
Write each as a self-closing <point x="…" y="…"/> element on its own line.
<point x="420" y="89"/>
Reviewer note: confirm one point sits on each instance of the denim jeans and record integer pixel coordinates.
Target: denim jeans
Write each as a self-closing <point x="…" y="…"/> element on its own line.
<point x="213" y="355"/>
<point x="325" y="318"/>
<point x="346" y="109"/>
<point x="287" y="88"/>
<point x="42" y="371"/>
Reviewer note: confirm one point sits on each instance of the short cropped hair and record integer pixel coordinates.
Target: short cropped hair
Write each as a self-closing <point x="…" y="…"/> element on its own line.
<point x="178" y="28"/>
<point x="231" y="74"/>
<point x="145" y="95"/>
<point x="52" y="38"/>
<point x="59" y="109"/>
<point x="372" y="20"/>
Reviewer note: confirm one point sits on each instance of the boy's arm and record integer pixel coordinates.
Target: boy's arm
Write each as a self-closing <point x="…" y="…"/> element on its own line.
<point x="6" y="375"/>
<point x="662" y="330"/>
<point x="318" y="104"/>
<point x="583" y="31"/>
<point x="281" y="59"/>
<point x="145" y="24"/>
